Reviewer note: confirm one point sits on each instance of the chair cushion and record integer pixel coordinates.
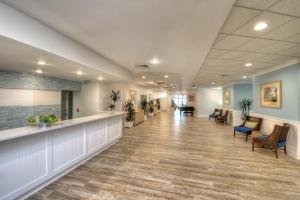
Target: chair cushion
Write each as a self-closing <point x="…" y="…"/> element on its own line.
<point x="251" y="125"/>
<point x="281" y="144"/>
<point x="261" y="137"/>
<point x="243" y="129"/>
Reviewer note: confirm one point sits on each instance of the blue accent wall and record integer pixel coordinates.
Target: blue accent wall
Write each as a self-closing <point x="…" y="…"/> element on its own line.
<point x="238" y="92"/>
<point x="290" y="78"/>
<point x="241" y="91"/>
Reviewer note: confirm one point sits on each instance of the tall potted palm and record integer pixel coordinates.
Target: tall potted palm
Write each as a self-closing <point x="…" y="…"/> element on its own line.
<point x="158" y="104"/>
<point x="245" y="106"/>
<point x="129" y="107"/>
<point x="115" y="98"/>
<point x="144" y="106"/>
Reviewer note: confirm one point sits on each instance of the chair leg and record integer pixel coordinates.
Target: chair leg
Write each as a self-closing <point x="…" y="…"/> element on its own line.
<point x="233" y="133"/>
<point x="276" y="153"/>
<point x="285" y="150"/>
<point x="252" y="145"/>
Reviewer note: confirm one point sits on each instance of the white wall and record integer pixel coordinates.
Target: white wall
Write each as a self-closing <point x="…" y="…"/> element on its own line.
<point x="207" y="100"/>
<point x="95" y="97"/>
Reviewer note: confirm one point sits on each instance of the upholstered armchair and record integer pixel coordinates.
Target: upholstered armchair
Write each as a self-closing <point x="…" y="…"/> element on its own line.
<point x="250" y="124"/>
<point x="216" y="114"/>
<point x="274" y="141"/>
<point x="223" y="118"/>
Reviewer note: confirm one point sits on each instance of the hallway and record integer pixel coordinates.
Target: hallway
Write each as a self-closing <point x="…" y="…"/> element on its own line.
<point x="179" y="157"/>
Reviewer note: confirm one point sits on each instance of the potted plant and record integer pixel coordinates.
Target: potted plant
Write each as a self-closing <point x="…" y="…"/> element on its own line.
<point x="129" y="107"/>
<point x="158" y="104"/>
<point x="144" y="106"/>
<point x="151" y="108"/>
<point x="245" y="106"/>
<point x="115" y="98"/>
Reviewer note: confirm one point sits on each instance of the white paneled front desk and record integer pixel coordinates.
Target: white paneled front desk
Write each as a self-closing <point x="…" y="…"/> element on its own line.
<point x="32" y="157"/>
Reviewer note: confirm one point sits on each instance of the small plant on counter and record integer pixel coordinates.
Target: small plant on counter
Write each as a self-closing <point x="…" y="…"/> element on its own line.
<point x="115" y="98"/>
<point x="42" y="120"/>
<point x="129" y="107"/>
<point x="245" y="106"/>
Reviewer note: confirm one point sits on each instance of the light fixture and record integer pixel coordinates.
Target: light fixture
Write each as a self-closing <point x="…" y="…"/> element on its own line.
<point x="194" y="86"/>
<point x="79" y="73"/>
<point x="166" y="76"/>
<point x="100" y="78"/>
<point x="39" y="71"/>
<point x="248" y="64"/>
<point x="151" y="82"/>
<point x="155" y="61"/>
<point x="213" y="83"/>
<point x="171" y="84"/>
<point x="260" y="26"/>
<point x="41" y="62"/>
<point x="244" y="77"/>
<point x="143" y="77"/>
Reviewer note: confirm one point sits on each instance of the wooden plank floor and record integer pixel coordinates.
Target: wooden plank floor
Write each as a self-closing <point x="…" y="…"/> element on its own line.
<point x="173" y="157"/>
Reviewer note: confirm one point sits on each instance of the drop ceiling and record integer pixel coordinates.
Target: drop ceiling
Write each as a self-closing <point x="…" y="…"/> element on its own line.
<point x="131" y="32"/>
<point x="238" y="43"/>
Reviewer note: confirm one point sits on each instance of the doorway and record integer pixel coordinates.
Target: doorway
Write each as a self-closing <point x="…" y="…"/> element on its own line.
<point x="66" y="105"/>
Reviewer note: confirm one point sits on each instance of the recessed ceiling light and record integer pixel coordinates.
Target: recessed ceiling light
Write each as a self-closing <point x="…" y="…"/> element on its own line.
<point x="100" y="78"/>
<point x="260" y="26"/>
<point x="79" y="73"/>
<point x="155" y="61"/>
<point x="244" y="77"/>
<point x="248" y="64"/>
<point x="166" y="76"/>
<point x="39" y="71"/>
<point x="171" y="84"/>
<point x="151" y="82"/>
<point x="213" y="83"/>
<point x="143" y="77"/>
<point x="41" y="62"/>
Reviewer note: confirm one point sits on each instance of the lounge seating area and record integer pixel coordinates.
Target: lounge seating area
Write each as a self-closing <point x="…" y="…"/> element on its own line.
<point x="251" y="127"/>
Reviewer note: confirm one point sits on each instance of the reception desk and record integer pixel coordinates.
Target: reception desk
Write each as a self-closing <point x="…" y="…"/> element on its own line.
<point x="32" y="157"/>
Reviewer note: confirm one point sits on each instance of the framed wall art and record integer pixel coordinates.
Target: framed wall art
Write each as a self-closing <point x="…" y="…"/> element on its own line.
<point x="270" y="94"/>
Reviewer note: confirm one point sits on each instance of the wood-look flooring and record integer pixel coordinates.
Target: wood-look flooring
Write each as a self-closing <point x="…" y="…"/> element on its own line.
<point x="173" y="157"/>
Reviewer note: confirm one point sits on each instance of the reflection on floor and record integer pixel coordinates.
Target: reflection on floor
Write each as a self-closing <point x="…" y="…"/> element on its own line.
<point x="179" y="157"/>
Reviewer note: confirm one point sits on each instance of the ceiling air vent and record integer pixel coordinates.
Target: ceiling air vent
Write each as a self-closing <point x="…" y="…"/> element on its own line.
<point x="142" y="67"/>
<point x="223" y="75"/>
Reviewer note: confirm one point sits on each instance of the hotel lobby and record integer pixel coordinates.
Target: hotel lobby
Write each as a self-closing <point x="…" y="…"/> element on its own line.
<point x="150" y="99"/>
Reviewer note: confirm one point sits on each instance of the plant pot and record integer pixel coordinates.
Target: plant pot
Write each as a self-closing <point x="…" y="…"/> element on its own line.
<point x="150" y="114"/>
<point x="145" y="117"/>
<point x="128" y="124"/>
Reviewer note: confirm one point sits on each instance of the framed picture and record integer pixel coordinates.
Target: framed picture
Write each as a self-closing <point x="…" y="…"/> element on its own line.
<point x="133" y="96"/>
<point x="227" y="97"/>
<point x="191" y="97"/>
<point x="270" y="94"/>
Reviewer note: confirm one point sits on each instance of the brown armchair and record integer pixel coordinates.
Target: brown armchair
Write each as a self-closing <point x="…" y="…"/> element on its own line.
<point x="274" y="141"/>
<point x="215" y="114"/>
<point x="223" y="118"/>
<point x="246" y="130"/>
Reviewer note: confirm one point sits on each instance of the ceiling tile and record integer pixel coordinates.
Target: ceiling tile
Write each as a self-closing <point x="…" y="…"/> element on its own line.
<point x="231" y="42"/>
<point x="255" y="44"/>
<point x="294" y="51"/>
<point x="276" y="59"/>
<point x="273" y="20"/>
<point x="289" y="7"/>
<point x="295" y="38"/>
<point x="277" y="46"/>
<point x="285" y="31"/>
<point x="237" y="17"/>
<point x="215" y="53"/>
<point x="233" y="55"/>
<point x="258" y="4"/>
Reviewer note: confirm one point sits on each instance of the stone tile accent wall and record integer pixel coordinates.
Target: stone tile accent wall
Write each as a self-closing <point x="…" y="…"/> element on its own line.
<point x="16" y="116"/>
<point x="28" y="81"/>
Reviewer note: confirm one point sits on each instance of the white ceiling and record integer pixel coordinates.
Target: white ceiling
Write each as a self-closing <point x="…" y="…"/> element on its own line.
<point x="237" y="42"/>
<point x="131" y="32"/>
<point x="21" y="57"/>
